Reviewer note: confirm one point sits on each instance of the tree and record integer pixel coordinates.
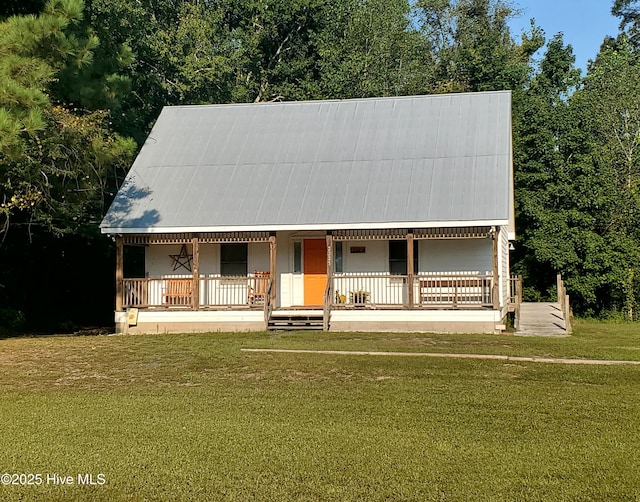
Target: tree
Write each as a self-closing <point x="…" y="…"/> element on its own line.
<point x="48" y="151"/>
<point x="244" y="51"/>
<point x="608" y="105"/>
<point x="542" y="153"/>
<point x="473" y="47"/>
<point x="372" y="49"/>
<point x="629" y="13"/>
<point x="577" y="176"/>
<point x="60" y="164"/>
<point x="20" y="7"/>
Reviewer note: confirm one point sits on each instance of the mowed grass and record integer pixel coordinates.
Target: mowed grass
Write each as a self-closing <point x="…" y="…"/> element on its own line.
<point x="192" y="417"/>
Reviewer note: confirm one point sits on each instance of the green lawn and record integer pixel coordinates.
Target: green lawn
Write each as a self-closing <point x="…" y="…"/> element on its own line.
<point x="191" y="417"/>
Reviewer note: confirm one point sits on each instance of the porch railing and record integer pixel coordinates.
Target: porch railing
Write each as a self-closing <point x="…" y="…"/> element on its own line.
<point x="429" y="290"/>
<point x="454" y="290"/>
<point x="213" y="292"/>
<point x="136" y="293"/>
<point x="349" y="291"/>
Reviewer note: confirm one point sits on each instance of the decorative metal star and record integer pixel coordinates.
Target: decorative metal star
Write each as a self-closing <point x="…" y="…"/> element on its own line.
<point x="184" y="259"/>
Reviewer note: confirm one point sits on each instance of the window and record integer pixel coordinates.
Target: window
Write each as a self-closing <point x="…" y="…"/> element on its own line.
<point x="297" y="257"/>
<point x="338" y="257"/>
<point x="398" y="257"/>
<point x="233" y="259"/>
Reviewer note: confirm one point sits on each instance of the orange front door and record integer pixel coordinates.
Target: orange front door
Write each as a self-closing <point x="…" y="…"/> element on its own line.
<point x="315" y="271"/>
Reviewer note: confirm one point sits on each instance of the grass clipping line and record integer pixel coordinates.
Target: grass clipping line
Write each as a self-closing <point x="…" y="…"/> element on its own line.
<point x="553" y="360"/>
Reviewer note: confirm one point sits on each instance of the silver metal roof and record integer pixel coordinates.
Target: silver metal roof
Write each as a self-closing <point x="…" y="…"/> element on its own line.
<point x="420" y="161"/>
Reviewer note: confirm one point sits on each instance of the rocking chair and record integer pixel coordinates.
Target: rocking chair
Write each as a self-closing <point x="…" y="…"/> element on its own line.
<point x="258" y="288"/>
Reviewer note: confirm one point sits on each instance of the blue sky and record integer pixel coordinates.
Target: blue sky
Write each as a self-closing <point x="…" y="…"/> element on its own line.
<point x="584" y="23"/>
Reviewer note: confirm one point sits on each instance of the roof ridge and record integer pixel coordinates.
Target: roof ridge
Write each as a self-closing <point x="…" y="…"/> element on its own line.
<point x="338" y="100"/>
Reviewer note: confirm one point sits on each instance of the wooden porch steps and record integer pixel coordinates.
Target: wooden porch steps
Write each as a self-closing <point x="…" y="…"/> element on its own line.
<point x="294" y="320"/>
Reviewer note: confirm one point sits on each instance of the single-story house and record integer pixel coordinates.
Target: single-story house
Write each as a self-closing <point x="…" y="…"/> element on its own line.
<point x="384" y="214"/>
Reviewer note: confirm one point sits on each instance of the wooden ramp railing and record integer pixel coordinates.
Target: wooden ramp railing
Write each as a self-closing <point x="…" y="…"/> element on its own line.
<point x="515" y="299"/>
<point x="268" y="304"/>
<point x="563" y="300"/>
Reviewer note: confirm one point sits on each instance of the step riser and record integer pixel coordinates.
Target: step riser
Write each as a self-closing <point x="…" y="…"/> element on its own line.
<point x="294" y="328"/>
<point x="295" y="319"/>
<point x="295" y="323"/>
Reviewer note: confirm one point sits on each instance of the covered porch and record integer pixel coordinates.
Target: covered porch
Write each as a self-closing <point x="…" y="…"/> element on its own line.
<point x="264" y="274"/>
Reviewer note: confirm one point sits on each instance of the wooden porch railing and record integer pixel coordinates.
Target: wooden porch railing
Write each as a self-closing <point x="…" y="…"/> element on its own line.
<point x="455" y="290"/>
<point x="515" y="298"/>
<point x="515" y="289"/>
<point x="429" y="291"/>
<point x="350" y="291"/>
<point x="136" y="293"/>
<point x="213" y="292"/>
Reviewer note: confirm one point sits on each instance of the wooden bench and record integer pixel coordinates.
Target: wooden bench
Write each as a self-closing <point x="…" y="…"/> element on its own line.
<point x="438" y="291"/>
<point x="178" y="292"/>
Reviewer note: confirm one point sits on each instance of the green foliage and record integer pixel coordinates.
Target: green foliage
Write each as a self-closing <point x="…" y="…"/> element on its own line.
<point x="57" y="163"/>
<point x="577" y="174"/>
<point x="608" y="106"/>
<point x="544" y="212"/>
<point x="373" y="49"/>
<point x="629" y="13"/>
<point x="76" y="80"/>
<point x="473" y="47"/>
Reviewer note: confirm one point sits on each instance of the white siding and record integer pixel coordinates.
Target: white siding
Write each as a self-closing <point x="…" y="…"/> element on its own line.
<point x="258" y="258"/>
<point x="284" y="266"/>
<point x="456" y="256"/>
<point x="375" y="259"/>
<point x="473" y="256"/>
<point x="159" y="264"/>
<point x="453" y="256"/>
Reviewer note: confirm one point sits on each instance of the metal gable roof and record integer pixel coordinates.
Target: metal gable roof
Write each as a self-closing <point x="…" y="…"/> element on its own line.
<point x="440" y="160"/>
